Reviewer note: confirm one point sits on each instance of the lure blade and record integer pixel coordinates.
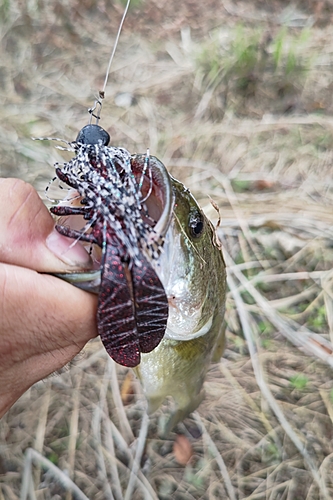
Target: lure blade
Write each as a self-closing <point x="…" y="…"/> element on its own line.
<point x="132" y="309"/>
<point x="115" y="315"/>
<point x="151" y="306"/>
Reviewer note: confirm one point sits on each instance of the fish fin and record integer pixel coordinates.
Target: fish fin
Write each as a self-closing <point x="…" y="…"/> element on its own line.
<point x="219" y="344"/>
<point x="183" y="411"/>
<point x="86" y="280"/>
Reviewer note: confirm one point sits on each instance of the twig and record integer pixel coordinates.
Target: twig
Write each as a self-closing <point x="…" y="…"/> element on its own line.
<point x="218" y="457"/>
<point x="109" y="443"/>
<point x="243" y="316"/>
<point x="73" y="430"/>
<point x="123" y="420"/>
<point x="33" y="456"/>
<point x="140" y="446"/>
<point x="96" y="429"/>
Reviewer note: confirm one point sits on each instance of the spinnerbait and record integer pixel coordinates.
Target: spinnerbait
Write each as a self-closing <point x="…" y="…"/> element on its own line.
<point x="132" y="306"/>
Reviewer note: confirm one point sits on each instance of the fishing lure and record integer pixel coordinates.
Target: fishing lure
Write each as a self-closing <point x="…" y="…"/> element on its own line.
<point x="132" y="304"/>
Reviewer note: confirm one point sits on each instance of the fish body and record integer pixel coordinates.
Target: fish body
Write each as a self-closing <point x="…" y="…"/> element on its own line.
<point x="192" y="271"/>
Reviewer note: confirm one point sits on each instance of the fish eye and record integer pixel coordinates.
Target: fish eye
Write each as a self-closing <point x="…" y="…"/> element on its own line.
<point x="196" y="224"/>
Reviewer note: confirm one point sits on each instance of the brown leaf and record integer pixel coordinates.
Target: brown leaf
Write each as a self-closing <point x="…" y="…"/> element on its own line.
<point x="262" y="184"/>
<point x="182" y="449"/>
<point x="127" y="388"/>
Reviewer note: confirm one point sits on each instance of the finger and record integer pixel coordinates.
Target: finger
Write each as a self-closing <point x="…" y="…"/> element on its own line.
<point x="27" y="234"/>
<point x="52" y="313"/>
<point x="39" y="340"/>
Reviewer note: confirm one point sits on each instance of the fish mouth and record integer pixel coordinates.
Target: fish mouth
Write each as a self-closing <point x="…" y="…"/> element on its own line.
<point x="157" y="191"/>
<point x="157" y="197"/>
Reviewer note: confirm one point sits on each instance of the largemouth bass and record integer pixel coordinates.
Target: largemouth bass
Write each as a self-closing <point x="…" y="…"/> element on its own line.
<point x="178" y="307"/>
<point x="192" y="271"/>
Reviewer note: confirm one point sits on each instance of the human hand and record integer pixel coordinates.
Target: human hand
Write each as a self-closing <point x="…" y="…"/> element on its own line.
<point x="44" y="321"/>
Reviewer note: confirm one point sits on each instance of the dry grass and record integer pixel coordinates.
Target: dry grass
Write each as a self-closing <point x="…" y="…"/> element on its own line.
<point x="259" y="142"/>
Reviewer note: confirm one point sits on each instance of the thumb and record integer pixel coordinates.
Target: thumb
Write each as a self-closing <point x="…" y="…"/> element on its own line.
<point x="27" y="234"/>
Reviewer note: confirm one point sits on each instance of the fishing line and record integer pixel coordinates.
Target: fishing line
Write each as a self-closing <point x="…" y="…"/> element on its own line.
<point x="101" y="93"/>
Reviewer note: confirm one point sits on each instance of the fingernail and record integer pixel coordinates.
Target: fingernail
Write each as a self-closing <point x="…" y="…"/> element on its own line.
<point x="67" y="250"/>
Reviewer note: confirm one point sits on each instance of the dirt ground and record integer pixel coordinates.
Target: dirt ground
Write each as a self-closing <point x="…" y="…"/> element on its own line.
<point x="235" y="98"/>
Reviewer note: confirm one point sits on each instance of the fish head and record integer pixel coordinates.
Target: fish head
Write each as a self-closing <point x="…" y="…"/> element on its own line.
<point x="191" y="255"/>
<point x="190" y="258"/>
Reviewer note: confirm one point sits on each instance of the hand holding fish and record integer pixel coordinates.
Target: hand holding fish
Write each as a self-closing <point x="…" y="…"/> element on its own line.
<point x="44" y="322"/>
<point x="149" y="253"/>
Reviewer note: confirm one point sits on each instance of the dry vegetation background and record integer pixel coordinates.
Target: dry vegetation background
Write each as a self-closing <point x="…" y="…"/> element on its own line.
<point x="235" y="97"/>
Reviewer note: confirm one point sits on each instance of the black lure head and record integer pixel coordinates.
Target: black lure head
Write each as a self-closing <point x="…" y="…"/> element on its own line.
<point x="116" y="189"/>
<point x="93" y="134"/>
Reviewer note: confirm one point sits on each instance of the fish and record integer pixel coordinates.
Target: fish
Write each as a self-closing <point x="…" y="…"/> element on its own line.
<point x="193" y="273"/>
<point x="178" y="245"/>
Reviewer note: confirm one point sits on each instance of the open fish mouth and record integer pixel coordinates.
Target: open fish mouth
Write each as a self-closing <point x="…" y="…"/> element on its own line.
<point x="127" y="202"/>
<point x="157" y="191"/>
